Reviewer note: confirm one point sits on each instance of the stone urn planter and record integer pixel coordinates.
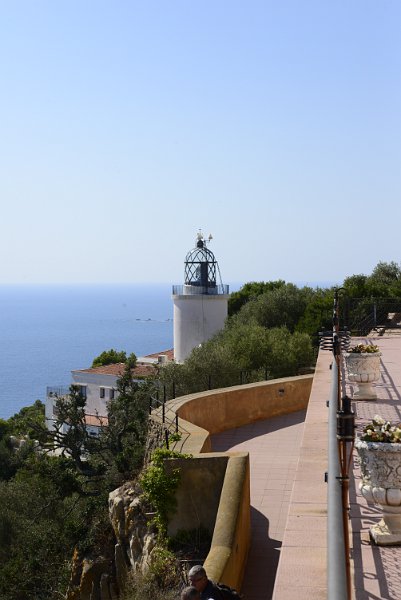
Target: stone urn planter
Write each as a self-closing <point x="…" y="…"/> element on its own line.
<point x="379" y="449"/>
<point x="363" y="366"/>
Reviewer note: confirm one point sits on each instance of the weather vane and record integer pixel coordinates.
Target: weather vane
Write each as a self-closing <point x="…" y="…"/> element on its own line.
<point x="201" y="238"/>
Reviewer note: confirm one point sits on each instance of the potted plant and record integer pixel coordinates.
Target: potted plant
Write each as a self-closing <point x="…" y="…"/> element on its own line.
<point x="363" y="366"/>
<point x="379" y="449"/>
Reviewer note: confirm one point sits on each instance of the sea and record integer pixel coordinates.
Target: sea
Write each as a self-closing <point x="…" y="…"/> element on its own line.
<point x="48" y="330"/>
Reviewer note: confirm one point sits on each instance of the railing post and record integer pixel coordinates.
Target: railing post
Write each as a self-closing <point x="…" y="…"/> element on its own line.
<point x="176" y="422"/>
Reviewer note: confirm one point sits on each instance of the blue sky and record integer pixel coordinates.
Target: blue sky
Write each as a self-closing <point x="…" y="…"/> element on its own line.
<point x="127" y="126"/>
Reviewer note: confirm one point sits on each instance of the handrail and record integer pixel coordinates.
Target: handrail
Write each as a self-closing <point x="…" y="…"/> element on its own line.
<point x="341" y="431"/>
<point x="336" y="560"/>
<point x="196" y="290"/>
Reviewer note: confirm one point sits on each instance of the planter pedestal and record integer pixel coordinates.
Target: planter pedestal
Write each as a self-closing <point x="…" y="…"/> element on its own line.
<point x="381" y="485"/>
<point x="387" y="532"/>
<point x="363" y="369"/>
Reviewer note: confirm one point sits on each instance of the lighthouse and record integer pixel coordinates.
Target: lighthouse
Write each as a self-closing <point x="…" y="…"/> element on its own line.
<point x="201" y="304"/>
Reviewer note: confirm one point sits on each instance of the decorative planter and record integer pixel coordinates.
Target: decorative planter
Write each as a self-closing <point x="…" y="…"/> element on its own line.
<point x="381" y="484"/>
<point x="363" y="369"/>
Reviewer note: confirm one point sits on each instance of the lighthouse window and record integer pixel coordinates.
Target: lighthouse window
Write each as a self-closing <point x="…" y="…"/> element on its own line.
<point x="111" y="394"/>
<point x="102" y="392"/>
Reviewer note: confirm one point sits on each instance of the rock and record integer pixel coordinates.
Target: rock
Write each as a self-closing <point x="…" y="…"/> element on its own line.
<point x="92" y="571"/>
<point x="104" y="577"/>
<point x="121" y="566"/>
<point x="105" y="587"/>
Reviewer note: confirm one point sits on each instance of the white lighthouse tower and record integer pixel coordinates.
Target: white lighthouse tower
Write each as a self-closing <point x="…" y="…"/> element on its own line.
<point x="200" y="305"/>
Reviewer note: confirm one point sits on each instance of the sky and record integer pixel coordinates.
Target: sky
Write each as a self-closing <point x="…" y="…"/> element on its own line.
<point x="128" y="126"/>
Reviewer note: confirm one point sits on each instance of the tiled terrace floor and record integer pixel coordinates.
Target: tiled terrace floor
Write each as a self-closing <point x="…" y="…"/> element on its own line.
<point x="377" y="572"/>
<point x="273" y="447"/>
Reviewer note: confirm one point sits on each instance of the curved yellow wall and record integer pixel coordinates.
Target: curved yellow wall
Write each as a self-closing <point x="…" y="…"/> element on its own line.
<point x="217" y="410"/>
<point x="214" y="411"/>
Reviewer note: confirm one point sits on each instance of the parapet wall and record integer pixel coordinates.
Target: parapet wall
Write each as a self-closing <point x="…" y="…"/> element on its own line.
<point x="201" y="415"/>
<point x="214" y="411"/>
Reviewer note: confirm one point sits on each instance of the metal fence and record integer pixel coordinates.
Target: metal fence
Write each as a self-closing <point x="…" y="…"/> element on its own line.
<point x="194" y="290"/>
<point x="341" y="426"/>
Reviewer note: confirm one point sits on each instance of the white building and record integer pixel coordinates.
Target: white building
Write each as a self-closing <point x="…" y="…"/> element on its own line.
<point x="99" y="386"/>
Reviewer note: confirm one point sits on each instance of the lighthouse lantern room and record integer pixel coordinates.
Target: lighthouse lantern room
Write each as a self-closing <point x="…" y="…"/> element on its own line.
<point x="201" y="304"/>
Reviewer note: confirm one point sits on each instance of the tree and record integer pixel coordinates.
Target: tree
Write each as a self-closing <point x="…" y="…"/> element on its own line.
<point x="250" y="291"/>
<point x="22" y="422"/>
<point x="42" y="519"/>
<point x="318" y="314"/>
<point x="240" y="352"/>
<point x="248" y="343"/>
<point x="111" y="357"/>
<point x="385" y="280"/>
<point x="355" y="286"/>
<point x="124" y="437"/>
<point x="69" y="435"/>
<point x="283" y="306"/>
<point x="386" y="273"/>
<point x="55" y="495"/>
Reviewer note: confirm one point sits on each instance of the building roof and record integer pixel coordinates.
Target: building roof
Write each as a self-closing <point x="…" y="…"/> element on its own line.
<point x="117" y="370"/>
<point x="169" y="353"/>
<point x="141" y="369"/>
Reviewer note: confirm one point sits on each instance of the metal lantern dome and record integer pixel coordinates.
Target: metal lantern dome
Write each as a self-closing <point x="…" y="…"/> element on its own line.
<point x="201" y="266"/>
<point x="201" y="303"/>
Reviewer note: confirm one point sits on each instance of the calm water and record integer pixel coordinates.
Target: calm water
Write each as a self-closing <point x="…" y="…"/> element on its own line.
<point x="46" y="331"/>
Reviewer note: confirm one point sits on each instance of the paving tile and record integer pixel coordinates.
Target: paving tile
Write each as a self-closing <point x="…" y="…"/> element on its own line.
<point x="272" y="445"/>
<point x="288" y="459"/>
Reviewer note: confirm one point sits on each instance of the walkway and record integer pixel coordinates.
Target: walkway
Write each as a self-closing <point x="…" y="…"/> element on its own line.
<point x="282" y="483"/>
<point x="273" y="447"/>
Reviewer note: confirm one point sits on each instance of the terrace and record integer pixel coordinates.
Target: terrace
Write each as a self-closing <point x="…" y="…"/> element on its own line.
<point x="288" y="453"/>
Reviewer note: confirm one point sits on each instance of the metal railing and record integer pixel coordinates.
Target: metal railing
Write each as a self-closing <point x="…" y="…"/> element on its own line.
<point x="194" y="290"/>
<point x="170" y="425"/>
<point x="336" y="564"/>
<point x="57" y="391"/>
<point x="366" y="314"/>
<point x="340" y="435"/>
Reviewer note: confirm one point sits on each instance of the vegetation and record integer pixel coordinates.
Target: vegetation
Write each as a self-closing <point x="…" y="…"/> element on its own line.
<point x="262" y="340"/>
<point x="380" y="430"/>
<point x="159" y="487"/>
<point x="54" y="502"/>
<point x="112" y="357"/>
<point x="364" y="349"/>
<point x="250" y="291"/>
<point x="51" y="504"/>
<point x="162" y="581"/>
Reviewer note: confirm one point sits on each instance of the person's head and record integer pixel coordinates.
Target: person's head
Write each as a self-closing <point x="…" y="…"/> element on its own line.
<point x="198" y="578"/>
<point x="190" y="593"/>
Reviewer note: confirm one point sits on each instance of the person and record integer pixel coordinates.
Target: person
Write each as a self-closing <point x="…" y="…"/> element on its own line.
<point x="190" y="593"/>
<point x="207" y="589"/>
